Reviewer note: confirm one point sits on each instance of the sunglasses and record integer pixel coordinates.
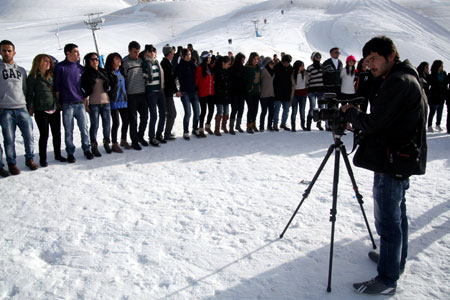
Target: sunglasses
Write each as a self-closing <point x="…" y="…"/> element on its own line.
<point x="94" y="59"/>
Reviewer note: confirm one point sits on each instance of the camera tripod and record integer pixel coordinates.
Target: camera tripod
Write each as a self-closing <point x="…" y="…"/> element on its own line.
<point x="338" y="148"/>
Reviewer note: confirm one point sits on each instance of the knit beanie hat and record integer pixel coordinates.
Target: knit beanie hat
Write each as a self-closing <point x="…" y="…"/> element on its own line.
<point x="167" y="49"/>
<point x="266" y="61"/>
<point x="314" y="54"/>
<point x="205" y="54"/>
<point x="350" y="57"/>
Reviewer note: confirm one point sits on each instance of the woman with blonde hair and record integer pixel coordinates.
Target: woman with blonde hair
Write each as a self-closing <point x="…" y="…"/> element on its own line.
<point x="42" y="103"/>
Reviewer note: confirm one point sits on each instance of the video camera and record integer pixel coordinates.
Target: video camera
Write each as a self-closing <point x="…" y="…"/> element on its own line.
<point x="332" y="113"/>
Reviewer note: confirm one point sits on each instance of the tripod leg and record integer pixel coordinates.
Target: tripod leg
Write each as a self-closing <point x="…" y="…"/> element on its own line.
<point x="333" y="212"/>
<point x="310" y="186"/>
<point x="359" y="197"/>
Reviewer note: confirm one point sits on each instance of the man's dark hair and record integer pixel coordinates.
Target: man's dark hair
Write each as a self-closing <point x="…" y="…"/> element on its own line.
<point x="69" y="48"/>
<point x="134" y="45"/>
<point x="9" y="43"/>
<point x="286" y="58"/>
<point x="382" y="45"/>
<point x="190" y="46"/>
<point x="334" y="49"/>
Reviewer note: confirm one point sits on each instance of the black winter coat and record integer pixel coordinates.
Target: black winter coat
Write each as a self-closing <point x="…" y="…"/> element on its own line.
<point x="222" y="86"/>
<point x="88" y="80"/>
<point x="438" y="90"/>
<point x="169" y="78"/>
<point x="237" y="77"/>
<point x="185" y="73"/>
<point x="398" y="115"/>
<point x="282" y="82"/>
<point x="112" y="93"/>
<point x="332" y="76"/>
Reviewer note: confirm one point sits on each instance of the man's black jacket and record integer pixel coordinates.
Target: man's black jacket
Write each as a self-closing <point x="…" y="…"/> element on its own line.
<point x="397" y="115"/>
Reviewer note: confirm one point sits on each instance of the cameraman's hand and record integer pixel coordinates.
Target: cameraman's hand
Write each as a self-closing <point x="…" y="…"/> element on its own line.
<point x="345" y="107"/>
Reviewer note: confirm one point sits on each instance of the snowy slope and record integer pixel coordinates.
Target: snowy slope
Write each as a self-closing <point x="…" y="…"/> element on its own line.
<point x="201" y="219"/>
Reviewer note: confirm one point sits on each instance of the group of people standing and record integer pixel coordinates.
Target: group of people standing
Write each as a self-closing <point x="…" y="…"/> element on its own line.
<point x="138" y="91"/>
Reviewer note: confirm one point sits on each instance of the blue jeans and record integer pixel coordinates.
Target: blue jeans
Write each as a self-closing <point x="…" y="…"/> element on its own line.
<point x="276" y="113"/>
<point x="105" y="111"/>
<point x="223" y="109"/>
<point x="435" y="109"/>
<point x="71" y="112"/>
<point x="9" y="120"/>
<point x="1" y="157"/>
<point x="156" y="99"/>
<point x="189" y="99"/>
<point x="391" y="223"/>
<point x="313" y="97"/>
<point x="298" y="101"/>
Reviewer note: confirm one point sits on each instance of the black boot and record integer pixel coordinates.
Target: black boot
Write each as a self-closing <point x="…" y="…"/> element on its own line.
<point x="308" y="123"/>
<point x="238" y="125"/>
<point x="283" y="126"/>
<point x="302" y="125"/>
<point x="250" y="128"/>
<point x="106" y="146"/>
<point x="293" y="127"/>
<point x="94" y="149"/>
<point x="319" y="126"/>
<point x="232" y="132"/>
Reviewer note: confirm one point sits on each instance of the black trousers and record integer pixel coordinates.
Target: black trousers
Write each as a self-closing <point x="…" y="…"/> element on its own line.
<point x="252" y="105"/>
<point x="171" y="114"/>
<point x="137" y="103"/>
<point x="237" y="106"/>
<point x="116" y="115"/>
<point x="43" y="120"/>
<point x="206" y="103"/>
<point x="267" y="104"/>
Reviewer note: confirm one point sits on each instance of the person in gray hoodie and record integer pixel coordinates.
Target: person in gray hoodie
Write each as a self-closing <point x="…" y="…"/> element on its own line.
<point x="13" y="110"/>
<point x="267" y="94"/>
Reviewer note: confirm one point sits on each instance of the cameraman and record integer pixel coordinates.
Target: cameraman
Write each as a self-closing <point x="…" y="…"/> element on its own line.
<point x="395" y="124"/>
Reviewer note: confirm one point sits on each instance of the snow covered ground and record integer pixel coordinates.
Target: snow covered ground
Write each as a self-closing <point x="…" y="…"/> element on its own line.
<point x="202" y="219"/>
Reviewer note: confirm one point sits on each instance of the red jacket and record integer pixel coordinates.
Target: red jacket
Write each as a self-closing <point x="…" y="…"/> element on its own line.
<point x="205" y="85"/>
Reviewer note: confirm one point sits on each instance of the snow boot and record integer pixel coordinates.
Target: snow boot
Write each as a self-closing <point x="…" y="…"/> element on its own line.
<point x="250" y="128"/>
<point x="217" y="127"/>
<point x="208" y="129"/>
<point x="202" y="133"/>
<point x="106" y="146"/>
<point x="124" y="143"/>
<point x="116" y="148"/>
<point x="94" y="149"/>
<point x="254" y="127"/>
<point x="224" y="124"/>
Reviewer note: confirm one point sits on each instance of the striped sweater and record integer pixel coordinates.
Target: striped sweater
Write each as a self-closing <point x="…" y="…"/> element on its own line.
<point x="153" y="75"/>
<point x="315" y="79"/>
<point x="134" y="80"/>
